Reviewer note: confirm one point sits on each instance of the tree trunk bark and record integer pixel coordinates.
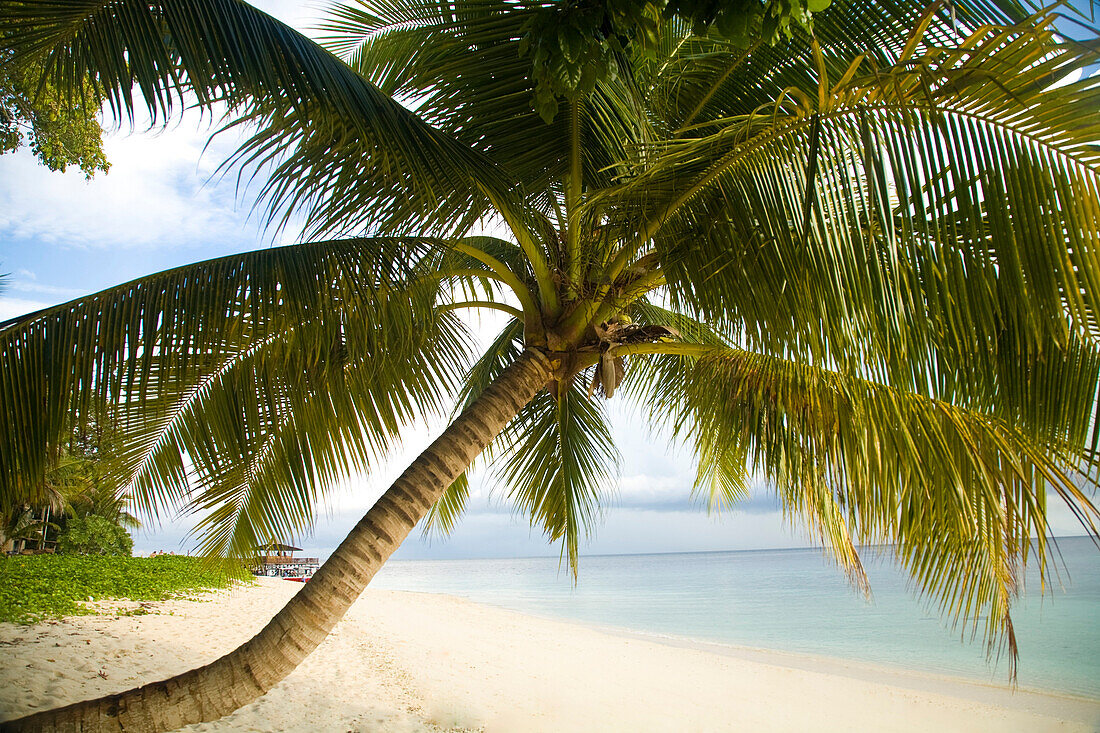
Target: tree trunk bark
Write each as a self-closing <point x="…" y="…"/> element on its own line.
<point x="243" y="675"/>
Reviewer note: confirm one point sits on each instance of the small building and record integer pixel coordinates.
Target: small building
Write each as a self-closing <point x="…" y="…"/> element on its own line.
<point x="277" y="560"/>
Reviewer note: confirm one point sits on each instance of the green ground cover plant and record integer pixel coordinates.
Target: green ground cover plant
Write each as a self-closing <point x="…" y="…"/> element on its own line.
<point x="33" y="588"/>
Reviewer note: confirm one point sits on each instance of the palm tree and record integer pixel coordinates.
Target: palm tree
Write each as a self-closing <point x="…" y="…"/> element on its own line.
<point x="19" y="525"/>
<point x="861" y="262"/>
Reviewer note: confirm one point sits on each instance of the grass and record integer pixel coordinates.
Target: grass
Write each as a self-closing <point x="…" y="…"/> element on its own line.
<point x="33" y="588"/>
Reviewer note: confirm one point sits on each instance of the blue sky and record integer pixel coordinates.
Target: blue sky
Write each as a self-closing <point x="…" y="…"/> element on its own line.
<point x="62" y="237"/>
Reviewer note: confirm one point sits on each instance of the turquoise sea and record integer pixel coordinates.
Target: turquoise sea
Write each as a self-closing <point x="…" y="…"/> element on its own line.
<point x="794" y="601"/>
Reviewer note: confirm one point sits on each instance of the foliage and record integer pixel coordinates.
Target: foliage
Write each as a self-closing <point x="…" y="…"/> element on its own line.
<point x="37" y="587"/>
<point x="85" y="470"/>
<point x="575" y="45"/>
<point x="558" y="459"/>
<point x="61" y="128"/>
<point x="94" y="535"/>
<point x="77" y="490"/>
<point x="20" y="523"/>
<point x="745" y="21"/>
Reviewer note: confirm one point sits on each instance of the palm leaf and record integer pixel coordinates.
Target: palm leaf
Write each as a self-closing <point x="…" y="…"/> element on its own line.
<point x="338" y="149"/>
<point x="948" y="233"/>
<point x="444" y="514"/>
<point x="555" y="460"/>
<point x="461" y="66"/>
<point x="558" y="464"/>
<point x="960" y="493"/>
<point x="298" y="362"/>
<point x="698" y="80"/>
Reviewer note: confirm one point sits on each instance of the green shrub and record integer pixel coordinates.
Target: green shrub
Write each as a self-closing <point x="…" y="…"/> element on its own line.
<point x="94" y="535"/>
<point x="50" y="586"/>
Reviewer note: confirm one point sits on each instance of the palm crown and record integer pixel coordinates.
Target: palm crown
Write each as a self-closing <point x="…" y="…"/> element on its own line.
<point x="861" y="262"/>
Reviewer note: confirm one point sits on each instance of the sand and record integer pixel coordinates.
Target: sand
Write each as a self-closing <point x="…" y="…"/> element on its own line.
<point x="420" y="662"/>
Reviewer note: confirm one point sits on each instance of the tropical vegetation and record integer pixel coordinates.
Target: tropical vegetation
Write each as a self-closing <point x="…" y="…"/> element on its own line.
<point x="59" y="129"/>
<point x="21" y="526"/>
<point x="76" y="507"/>
<point x="855" y="254"/>
<point x="94" y="535"/>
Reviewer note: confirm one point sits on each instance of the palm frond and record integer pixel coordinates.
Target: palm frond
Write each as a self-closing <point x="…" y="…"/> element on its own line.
<point x="338" y="149"/>
<point x="461" y="67"/>
<point x="721" y="477"/>
<point x="444" y="514"/>
<point x="555" y="460"/>
<point x="558" y="465"/>
<point x="960" y="494"/>
<point x="335" y="347"/>
<point x="502" y="261"/>
<point x="932" y="224"/>
<point x="697" y="80"/>
<point x="270" y="441"/>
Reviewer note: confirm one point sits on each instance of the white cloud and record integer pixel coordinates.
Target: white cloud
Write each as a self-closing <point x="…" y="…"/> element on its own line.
<point x="158" y="193"/>
<point x="30" y="286"/>
<point x="12" y="307"/>
<point x="644" y="489"/>
<point x="300" y="15"/>
<point x="1063" y="522"/>
<point x="155" y="195"/>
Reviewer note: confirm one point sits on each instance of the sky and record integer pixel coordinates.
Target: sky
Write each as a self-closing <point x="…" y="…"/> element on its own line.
<point x="161" y="205"/>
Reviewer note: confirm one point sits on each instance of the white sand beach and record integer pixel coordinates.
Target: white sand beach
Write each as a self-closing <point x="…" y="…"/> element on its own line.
<point x="416" y="662"/>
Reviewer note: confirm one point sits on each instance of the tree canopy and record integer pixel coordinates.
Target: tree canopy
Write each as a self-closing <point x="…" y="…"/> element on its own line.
<point x="61" y="129"/>
<point x="573" y="46"/>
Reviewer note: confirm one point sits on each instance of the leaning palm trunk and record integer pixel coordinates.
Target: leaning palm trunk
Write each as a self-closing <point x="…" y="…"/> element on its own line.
<point x="238" y="678"/>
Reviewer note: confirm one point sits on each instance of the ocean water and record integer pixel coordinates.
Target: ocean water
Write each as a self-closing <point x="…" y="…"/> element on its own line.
<point x="794" y="601"/>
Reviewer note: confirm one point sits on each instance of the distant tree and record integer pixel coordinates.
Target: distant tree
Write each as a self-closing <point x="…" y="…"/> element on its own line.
<point x="94" y="535"/>
<point x="89" y="513"/>
<point x="61" y="129"/>
<point x="84" y="474"/>
<point x="25" y="517"/>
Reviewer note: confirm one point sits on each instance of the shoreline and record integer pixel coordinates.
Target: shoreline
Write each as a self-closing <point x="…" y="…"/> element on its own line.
<point x="808" y="661"/>
<point x="1054" y="702"/>
<point x="805" y="661"/>
<point x="858" y="669"/>
<point x="418" y="661"/>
